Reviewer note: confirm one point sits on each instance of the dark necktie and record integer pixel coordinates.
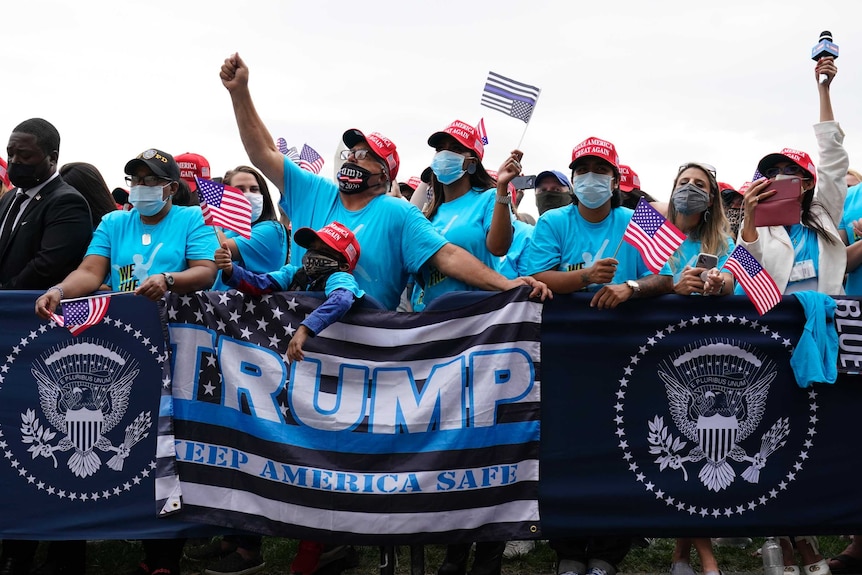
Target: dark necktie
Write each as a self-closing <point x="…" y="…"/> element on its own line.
<point x="9" y="224"/>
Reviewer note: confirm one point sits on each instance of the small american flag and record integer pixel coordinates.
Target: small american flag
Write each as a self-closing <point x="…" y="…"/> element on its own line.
<point x="482" y="133"/>
<point x="757" y="283"/>
<point x="653" y="236"/>
<point x="310" y="160"/>
<point x="80" y="314"/>
<point x="224" y="206"/>
<point x="510" y="97"/>
<point x="291" y="152"/>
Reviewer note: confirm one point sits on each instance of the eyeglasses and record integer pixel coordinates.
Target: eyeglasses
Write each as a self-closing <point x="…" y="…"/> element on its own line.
<point x="360" y="154"/>
<point x="788" y="170"/>
<point x="146" y="180"/>
<point x="705" y="167"/>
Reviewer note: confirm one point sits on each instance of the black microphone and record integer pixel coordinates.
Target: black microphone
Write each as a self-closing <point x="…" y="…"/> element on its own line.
<point x="825" y="47"/>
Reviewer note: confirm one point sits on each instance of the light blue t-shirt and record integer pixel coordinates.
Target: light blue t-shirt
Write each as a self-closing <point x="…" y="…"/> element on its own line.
<point x="264" y="251"/>
<point x="465" y="222"/>
<point x="564" y="241"/>
<point x="395" y="239"/>
<point x="852" y="212"/>
<point x="686" y="255"/>
<point x="137" y="250"/>
<point x="508" y="264"/>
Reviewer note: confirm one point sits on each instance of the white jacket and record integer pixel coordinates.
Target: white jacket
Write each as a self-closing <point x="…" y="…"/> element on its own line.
<point x="773" y="248"/>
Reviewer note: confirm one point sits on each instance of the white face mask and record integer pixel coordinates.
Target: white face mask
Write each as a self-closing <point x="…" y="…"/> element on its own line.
<point x="256" y="201"/>
<point x="148" y="200"/>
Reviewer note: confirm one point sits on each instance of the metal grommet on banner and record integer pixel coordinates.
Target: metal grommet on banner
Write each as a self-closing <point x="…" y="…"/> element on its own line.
<point x="534" y="528"/>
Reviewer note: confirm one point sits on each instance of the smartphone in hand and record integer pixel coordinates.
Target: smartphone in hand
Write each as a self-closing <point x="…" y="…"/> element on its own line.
<point x="707" y="261"/>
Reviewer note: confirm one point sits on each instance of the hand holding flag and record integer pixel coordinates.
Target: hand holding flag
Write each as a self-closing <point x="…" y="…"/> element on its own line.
<point x="654" y="237"/>
<point x="224" y="206"/>
<point x="757" y="283"/>
<point x="80" y="314"/>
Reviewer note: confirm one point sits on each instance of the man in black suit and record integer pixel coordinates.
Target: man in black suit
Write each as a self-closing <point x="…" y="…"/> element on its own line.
<point x="45" y="228"/>
<point x="45" y="223"/>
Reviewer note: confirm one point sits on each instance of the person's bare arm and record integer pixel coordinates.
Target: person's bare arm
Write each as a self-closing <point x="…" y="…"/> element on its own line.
<point x="256" y="139"/>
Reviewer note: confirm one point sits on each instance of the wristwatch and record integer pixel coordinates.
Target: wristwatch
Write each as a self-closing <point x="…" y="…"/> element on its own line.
<point x="636" y="288"/>
<point x="507" y="199"/>
<point x="169" y="278"/>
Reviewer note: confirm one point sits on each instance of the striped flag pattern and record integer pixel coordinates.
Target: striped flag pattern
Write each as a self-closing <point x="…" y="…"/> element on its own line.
<point x="310" y="160"/>
<point x="652" y="235"/>
<point x="224" y="206"/>
<point x="81" y="314"/>
<point x="757" y="283"/>
<point x="509" y="96"/>
<point x="482" y="133"/>
<point x="290" y="152"/>
<point x="446" y="446"/>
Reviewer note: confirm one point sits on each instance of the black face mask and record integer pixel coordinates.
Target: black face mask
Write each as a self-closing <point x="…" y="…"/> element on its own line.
<point x="26" y="176"/>
<point x="317" y="264"/>
<point x="354" y="179"/>
<point x="550" y="200"/>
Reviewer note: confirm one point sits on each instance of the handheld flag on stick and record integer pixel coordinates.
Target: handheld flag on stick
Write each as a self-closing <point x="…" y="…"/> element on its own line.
<point x="291" y="152"/>
<point x="83" y="313"/>
<point x="224" y="206"/>
<point x="482" y="133"/>
<point x="510" y="97"/>
<point x="310" y="160"/>
<point x="757" y="283"/>
<point x="654" y="237"/>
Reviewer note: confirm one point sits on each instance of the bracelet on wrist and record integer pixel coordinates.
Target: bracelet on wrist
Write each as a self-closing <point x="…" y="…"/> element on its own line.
<point x="57" y="288"/>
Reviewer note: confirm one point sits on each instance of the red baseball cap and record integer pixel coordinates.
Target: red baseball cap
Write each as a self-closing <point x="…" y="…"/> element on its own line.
<point x="629" y="179"/>
<point x="414" y="182"/>
<point x="335" y="235"/>
<point x="597" y="148"/>
<point x="464" y="134"/>
<point x="797" y="157"/>
<point x="192" y="165"/>
<point x="4" y="175"/>
<point x="744" y="188"/>
<point x="382" y="147"/>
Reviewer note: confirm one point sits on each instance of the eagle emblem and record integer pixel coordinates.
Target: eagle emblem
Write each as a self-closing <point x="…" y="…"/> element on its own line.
<point x="84" y="393"/>
<point x="716" y="397"/>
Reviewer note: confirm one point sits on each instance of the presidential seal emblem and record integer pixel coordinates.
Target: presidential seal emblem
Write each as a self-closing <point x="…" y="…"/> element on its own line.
<point x="84" y="393"/>
<point x="718" y="430"/>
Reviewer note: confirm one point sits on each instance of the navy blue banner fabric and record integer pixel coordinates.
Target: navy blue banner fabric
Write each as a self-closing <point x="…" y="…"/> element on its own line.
<point x="681" y="416"/>
<point x="78" y="420"/>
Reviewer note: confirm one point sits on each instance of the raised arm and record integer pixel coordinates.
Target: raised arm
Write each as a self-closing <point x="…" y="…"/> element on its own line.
<point x="256" y="139"/>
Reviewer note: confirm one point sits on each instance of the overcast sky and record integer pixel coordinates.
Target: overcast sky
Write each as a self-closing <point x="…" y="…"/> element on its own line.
<point x="723" y="82"/>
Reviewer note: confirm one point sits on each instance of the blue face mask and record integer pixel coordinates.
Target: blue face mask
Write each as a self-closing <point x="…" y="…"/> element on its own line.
<point x="147" y="199"/>
<point x="592" y="190"/>
<point x="447" y="166"/>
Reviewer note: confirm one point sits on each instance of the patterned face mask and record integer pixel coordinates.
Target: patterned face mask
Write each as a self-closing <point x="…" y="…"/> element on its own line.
<point x="317" y="264"/>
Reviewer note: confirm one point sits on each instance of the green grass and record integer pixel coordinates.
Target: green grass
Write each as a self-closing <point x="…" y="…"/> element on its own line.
<point x="117" y="557"/>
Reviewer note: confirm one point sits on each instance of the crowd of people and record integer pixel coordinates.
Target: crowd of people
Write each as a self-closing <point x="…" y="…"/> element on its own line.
<point x="403" y="246"/>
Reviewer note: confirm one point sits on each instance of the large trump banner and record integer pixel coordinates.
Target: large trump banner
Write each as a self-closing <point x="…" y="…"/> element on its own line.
<point x="395" y="427"/>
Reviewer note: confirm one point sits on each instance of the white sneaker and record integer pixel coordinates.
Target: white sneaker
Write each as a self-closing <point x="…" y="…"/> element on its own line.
<point x="596" y="571"/>
<point x="518" y="548"/>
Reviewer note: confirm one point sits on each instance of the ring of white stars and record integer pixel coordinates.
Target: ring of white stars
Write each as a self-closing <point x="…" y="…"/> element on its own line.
<point x="18" y="466"/>
<point x="651" y="487"/>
